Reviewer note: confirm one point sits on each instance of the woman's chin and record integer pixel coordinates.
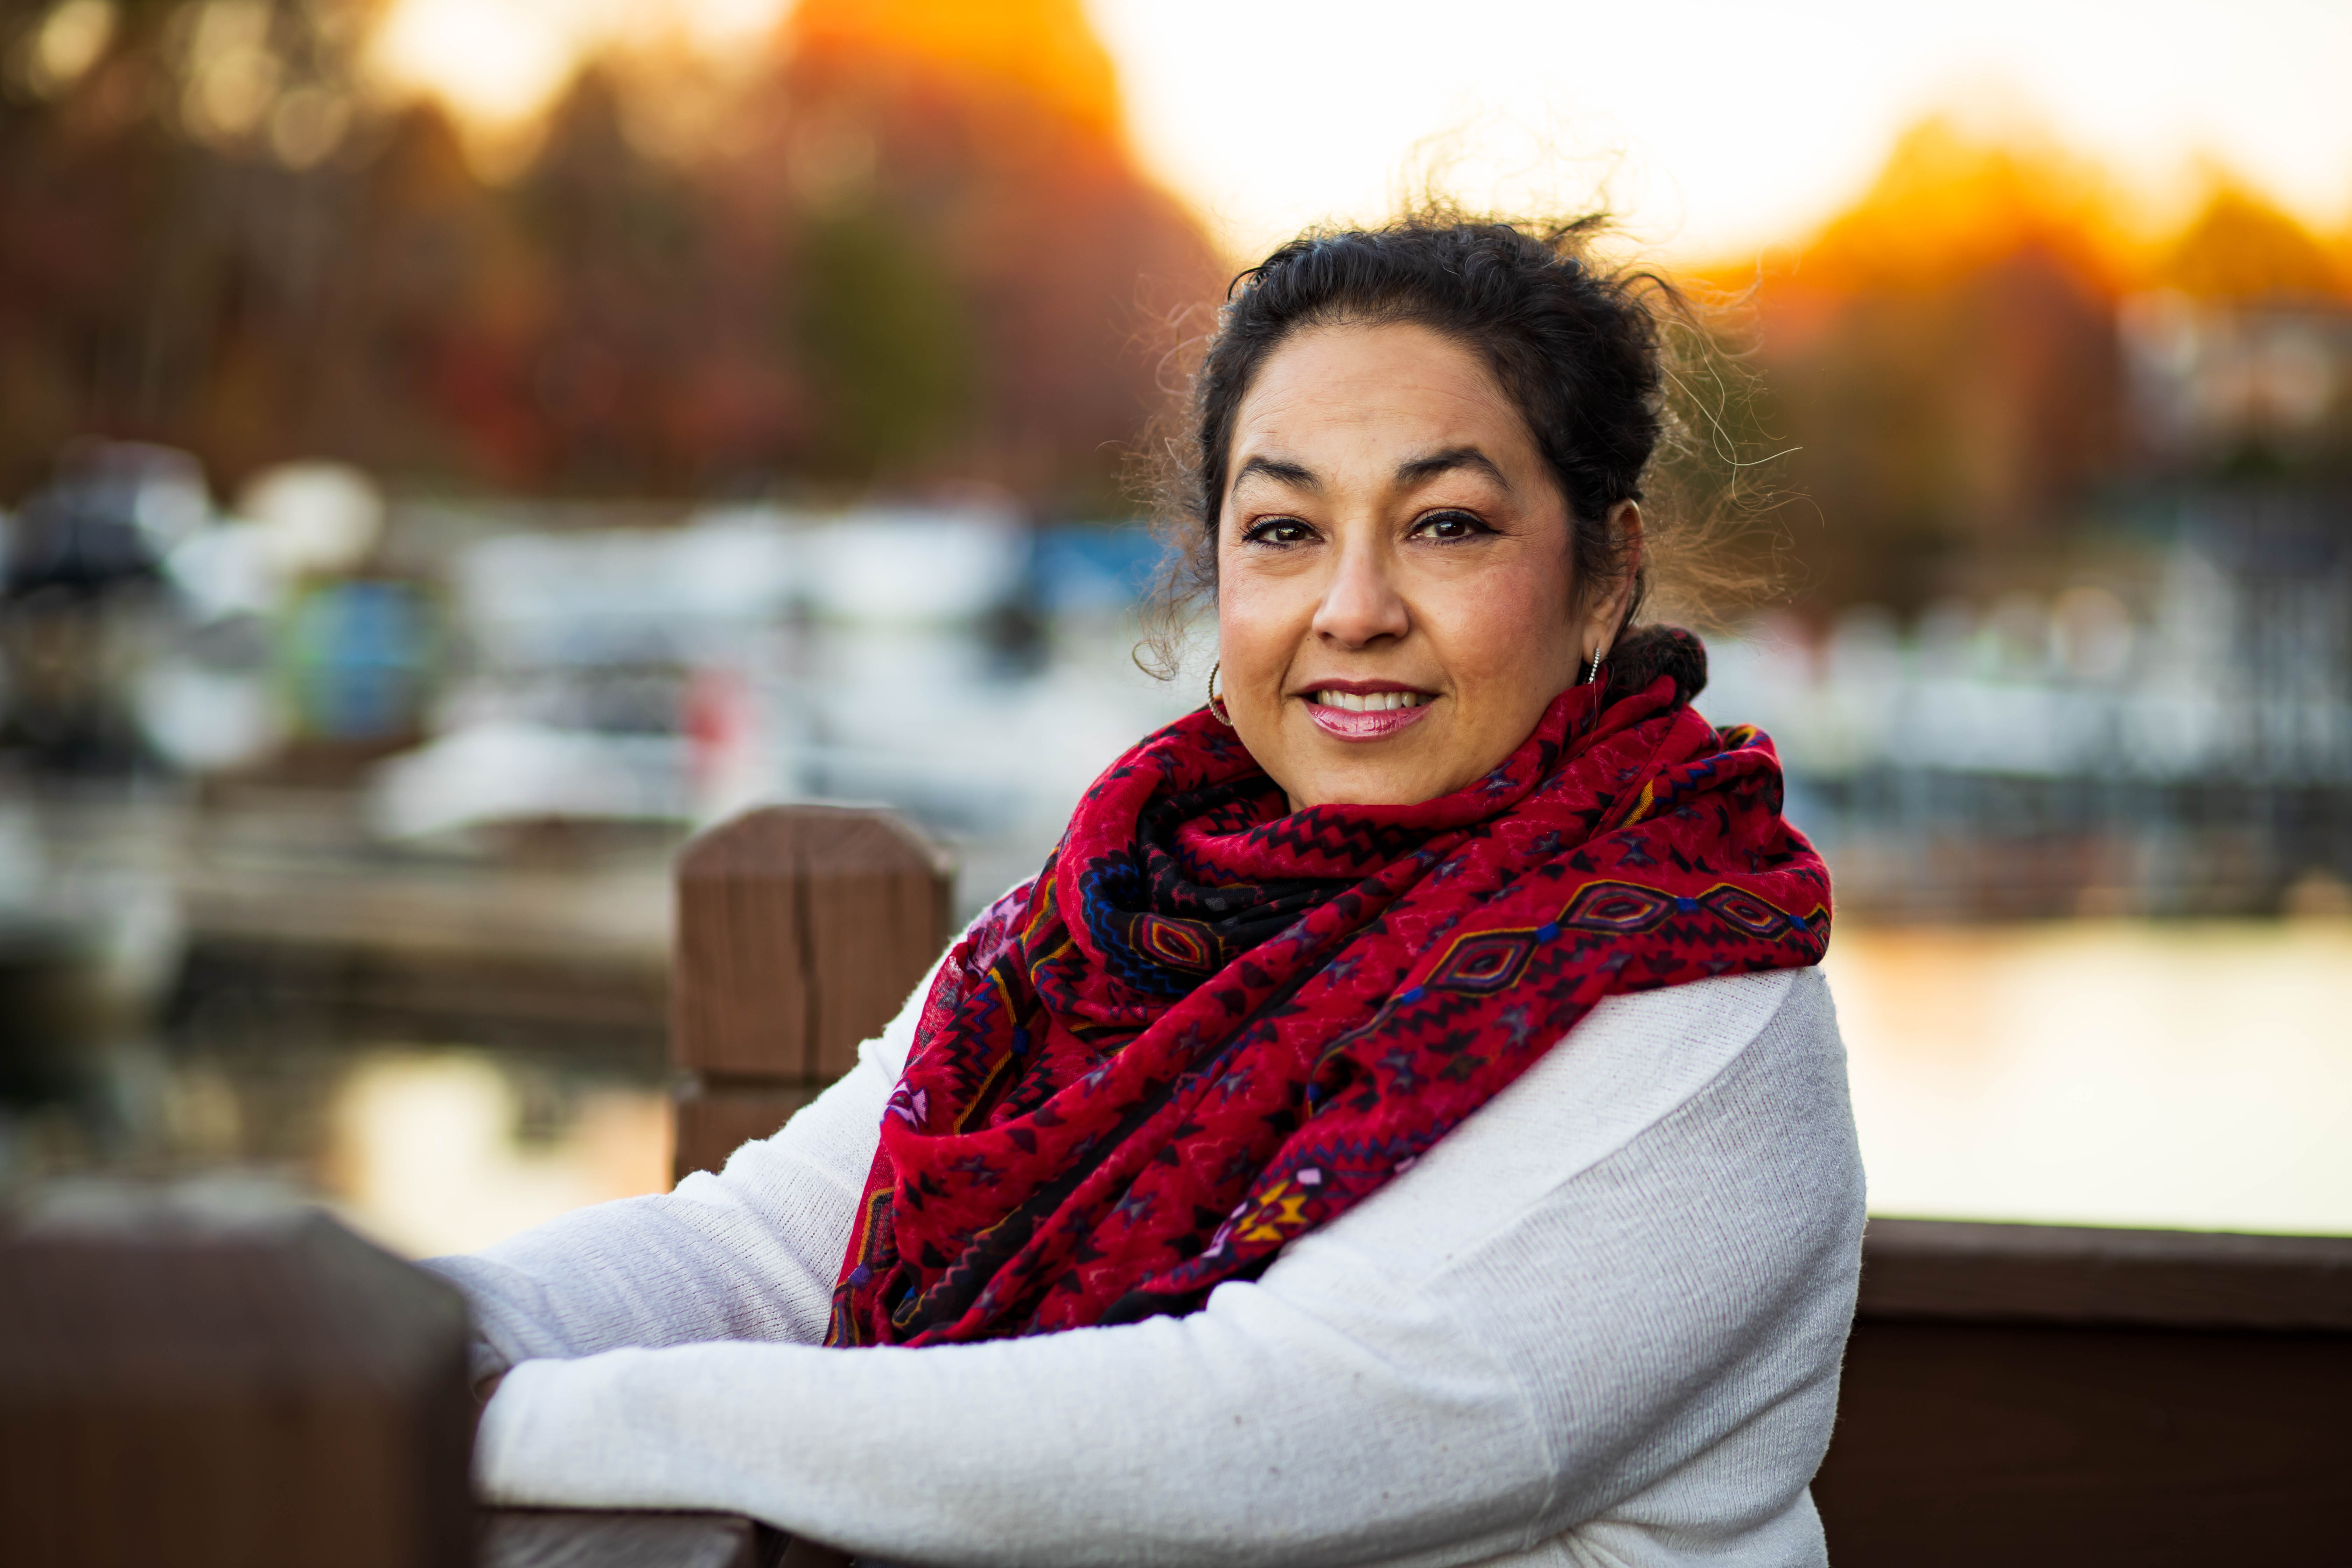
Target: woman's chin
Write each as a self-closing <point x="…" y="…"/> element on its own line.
<point x="1365" y="776"/>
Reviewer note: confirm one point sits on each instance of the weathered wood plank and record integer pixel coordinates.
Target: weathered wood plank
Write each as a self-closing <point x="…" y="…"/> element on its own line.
<point x="2053" y="1394"/>
<point x="713" y="1121"/>
<point x="2026" y="1443"/>
<point x="738" y="1000"/>
<point x="800" y="931"/>
<point x="552" y="1538"/>
<point x="877" y="898"/>
<point x="207" y="1386"/>
<point x="2072" y="1274"/>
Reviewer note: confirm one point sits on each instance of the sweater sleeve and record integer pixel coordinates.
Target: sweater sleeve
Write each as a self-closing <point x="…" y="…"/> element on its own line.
<point x="746" y="1253"/>
<point x="1614" y="1318"/>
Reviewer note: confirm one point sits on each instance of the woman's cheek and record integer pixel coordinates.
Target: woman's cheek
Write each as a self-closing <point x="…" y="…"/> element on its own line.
<point x="1253" y="640"/>
<point x="1482" y="637"/>
<point x="1517" y="635"/>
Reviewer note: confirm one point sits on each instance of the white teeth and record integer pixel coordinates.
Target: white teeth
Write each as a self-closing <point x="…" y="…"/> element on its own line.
<point x="1369" y="702"/>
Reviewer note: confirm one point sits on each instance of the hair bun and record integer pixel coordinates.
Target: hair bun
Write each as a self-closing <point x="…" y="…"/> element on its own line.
<point x="1645" y="653"/>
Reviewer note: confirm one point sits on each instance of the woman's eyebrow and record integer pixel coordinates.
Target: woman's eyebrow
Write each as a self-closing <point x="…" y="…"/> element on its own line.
<point x="1416" y="471"/>
<point x="1298" y="476"/>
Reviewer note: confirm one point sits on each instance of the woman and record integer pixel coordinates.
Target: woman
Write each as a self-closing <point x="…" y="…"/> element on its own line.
<point x="1400" y="1123"/>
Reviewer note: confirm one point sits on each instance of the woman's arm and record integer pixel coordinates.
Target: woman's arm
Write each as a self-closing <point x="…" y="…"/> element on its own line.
<point x="747" y="1253"/>
<point x="1612" y="1302"/>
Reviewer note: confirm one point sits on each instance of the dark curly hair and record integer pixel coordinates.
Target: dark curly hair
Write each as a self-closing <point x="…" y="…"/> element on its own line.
<point x="1575" y="345"/>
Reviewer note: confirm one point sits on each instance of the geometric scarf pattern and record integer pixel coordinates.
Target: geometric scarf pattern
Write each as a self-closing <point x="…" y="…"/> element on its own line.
<point x="1211" y="1024"/>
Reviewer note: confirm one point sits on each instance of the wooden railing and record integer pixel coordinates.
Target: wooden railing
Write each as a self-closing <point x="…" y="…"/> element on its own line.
<point x="2027" y="1395"/>
<point x="199" y="1382"/>
<point x="175" y="1386"/>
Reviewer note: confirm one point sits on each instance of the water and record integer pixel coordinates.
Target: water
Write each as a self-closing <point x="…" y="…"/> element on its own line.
<point x="2193" y="1075"/>
<point x="2181" y="1075"/>
<point x="2196" y="1077"/>
<point x="431" y="1151"/>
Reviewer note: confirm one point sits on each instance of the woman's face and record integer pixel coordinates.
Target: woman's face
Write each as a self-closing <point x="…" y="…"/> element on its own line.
<point x="1396" y="603"/>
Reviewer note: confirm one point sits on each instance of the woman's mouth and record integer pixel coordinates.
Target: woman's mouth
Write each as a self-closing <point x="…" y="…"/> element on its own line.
<point x="1366" y="715"/>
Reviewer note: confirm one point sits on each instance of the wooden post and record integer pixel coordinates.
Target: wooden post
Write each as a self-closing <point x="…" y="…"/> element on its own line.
<point x="186" y="1383"/>
<point x="801" y="932"/>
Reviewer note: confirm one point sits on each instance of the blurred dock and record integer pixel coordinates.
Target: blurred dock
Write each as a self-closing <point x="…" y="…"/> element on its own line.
<point x="280" y="914"/>
<point x="1949" y="846"/>
<point x="292" y="912"/>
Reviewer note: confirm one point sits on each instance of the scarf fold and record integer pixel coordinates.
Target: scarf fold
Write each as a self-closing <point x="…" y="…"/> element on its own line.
<point x="1211" y="1024"/>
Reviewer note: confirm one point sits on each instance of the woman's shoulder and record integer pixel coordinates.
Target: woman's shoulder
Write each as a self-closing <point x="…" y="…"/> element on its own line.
<point x="1637" y="1058"/>
<point x="1645" y="1070"/>
<point x="1659" y="1048"/>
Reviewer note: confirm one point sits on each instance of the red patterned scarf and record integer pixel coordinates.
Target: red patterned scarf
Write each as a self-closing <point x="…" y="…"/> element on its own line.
<point x="1212" y="1024"/>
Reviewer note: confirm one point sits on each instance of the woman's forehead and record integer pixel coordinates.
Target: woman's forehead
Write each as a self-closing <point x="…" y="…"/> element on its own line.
<point x="1390" y="394"/>
<point x="1377" y="405"/>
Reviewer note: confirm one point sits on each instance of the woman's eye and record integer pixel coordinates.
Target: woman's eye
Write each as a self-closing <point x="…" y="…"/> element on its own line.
<point x="1280" y="530"/>
<point x="1449" y="525"/>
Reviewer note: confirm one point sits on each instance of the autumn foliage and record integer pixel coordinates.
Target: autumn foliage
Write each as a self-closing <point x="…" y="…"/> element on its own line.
<point x="1950" y="359"/>
<point x="911" y="245"/>
<point x="904" y="242"/>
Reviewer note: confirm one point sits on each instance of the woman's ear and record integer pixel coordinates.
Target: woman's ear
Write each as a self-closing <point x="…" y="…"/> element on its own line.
<point x="1607" y="616"/>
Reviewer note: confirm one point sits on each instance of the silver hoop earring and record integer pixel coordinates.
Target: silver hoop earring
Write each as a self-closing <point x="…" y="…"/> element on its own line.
<point x="1594" y="673"/>
<point x="1221" y="715"/>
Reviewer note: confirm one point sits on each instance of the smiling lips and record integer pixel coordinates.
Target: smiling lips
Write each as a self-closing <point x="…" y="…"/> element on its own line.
<point x="1366" y="715"/>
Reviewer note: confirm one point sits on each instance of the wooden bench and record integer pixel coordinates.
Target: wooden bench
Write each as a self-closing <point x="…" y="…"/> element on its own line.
<point x="184" y="1388"/>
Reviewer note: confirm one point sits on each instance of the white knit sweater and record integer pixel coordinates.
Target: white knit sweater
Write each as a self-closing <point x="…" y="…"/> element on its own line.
<point x="1599" y="1325"/>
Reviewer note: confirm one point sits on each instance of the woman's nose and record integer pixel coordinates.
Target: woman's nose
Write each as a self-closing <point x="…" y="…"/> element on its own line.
<point x="1360" y="605"/>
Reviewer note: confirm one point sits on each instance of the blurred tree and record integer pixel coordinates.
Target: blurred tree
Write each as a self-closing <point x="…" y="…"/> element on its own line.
<point x="902" y="246"/>
<point x="1944" y="359"/>
<point x="619" y="324"/>
<point x="2242" y="248"/>
<point x="890" y="335"/>
<point x="2244" y="350"/>
<point x="1977" y="350"/>
<point x="987" y="141"/>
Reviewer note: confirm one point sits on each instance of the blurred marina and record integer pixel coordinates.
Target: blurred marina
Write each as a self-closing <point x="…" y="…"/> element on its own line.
<point x="415" y="520"/>
<point x="408" y="943"/>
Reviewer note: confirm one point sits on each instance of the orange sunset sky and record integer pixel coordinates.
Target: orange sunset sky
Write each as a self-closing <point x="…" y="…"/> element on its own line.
<point x="1720" y="129"/>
